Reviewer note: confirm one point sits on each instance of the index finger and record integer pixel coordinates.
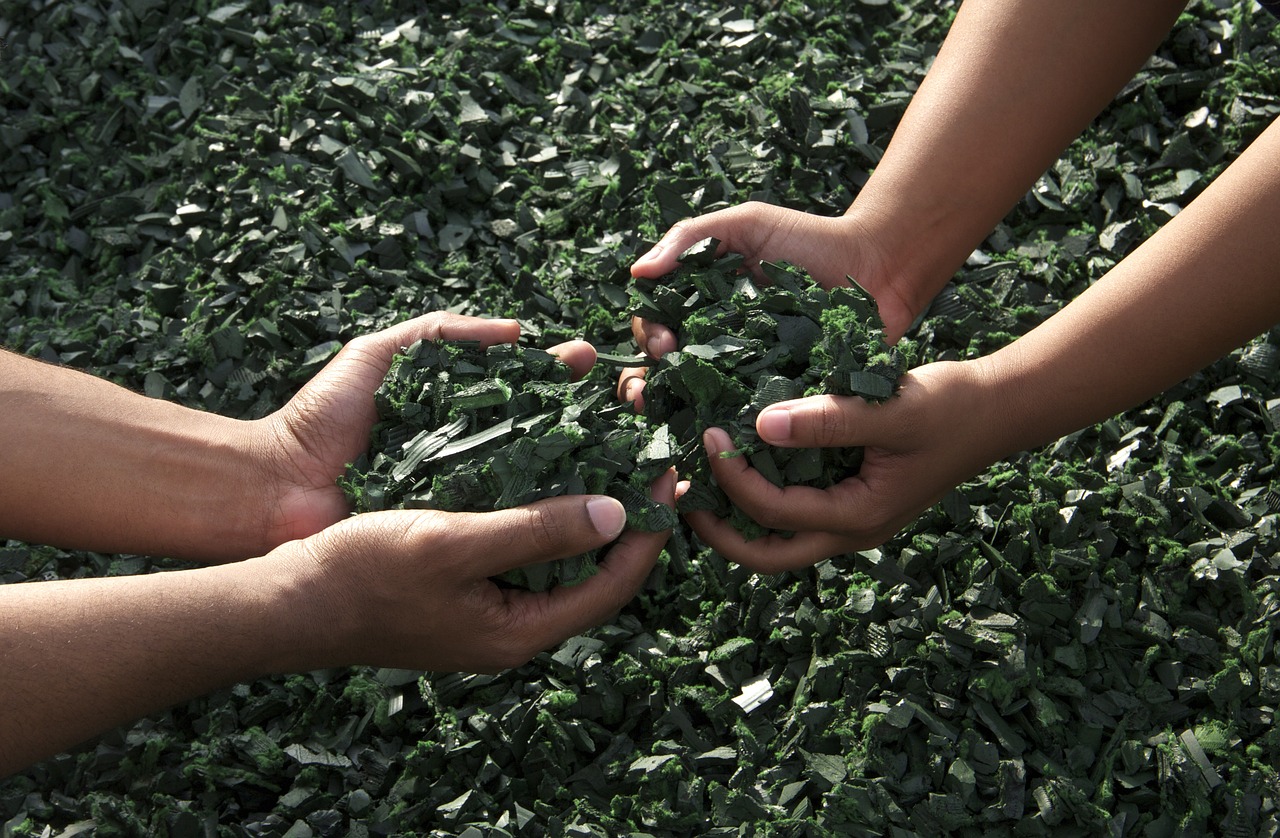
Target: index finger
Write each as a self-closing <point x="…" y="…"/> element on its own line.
<point x="664" y="257"/>
<point x="440" y="325"/>
<point x="578" y="355"/>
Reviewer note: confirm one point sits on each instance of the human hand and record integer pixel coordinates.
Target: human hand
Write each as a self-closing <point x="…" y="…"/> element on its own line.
<point x="412" y="588"/>
<point x="306" y="445"/>
<point x="405" y="588"/>
<point x="828" y="248"/>
<point x="940" y="428"/>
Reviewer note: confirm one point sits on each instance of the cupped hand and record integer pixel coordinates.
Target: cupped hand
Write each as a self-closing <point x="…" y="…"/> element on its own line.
<point x="938" y="430"/>
<point x="830" y="249"/>
<point x="304" y="447"/>
<point x="412" y="588"/>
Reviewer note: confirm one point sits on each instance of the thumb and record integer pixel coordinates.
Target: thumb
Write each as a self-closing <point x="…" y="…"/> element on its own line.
<point x="548" y="529"/>
<point x="578" y="355"/>
<point x="824" y="422"/>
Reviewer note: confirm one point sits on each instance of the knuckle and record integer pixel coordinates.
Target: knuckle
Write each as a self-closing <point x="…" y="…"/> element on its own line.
<point x="684" y="226"/>
<point x="437" y="320"/>
<point x="428" y="523"/>
<point x="429" y="526"/>
<point x="358" y="345"/>
<point x="546" y="530"/>
<point x="832" y="425"/>
<point x="435" y="325"/>
<point x="771" y="516"/>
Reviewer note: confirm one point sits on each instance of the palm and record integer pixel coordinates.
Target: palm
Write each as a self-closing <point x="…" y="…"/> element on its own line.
<point x="326" y="425"/>
<point x="322" y="429"/>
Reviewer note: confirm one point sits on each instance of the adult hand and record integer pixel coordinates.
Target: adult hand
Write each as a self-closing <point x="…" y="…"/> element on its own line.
<point x="828" y="248"/>
<point x="413" y="588"/>
<point x="305" y="446"/>
<point x="939" y="429"/>
<point x="403" y="589"/>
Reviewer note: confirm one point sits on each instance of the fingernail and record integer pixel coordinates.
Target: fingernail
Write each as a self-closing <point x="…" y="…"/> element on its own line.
<point x="774" y="425"/>
<point x="713" y="441"/>
<point x="607" y="516"/>
<point x="664" y="485"/>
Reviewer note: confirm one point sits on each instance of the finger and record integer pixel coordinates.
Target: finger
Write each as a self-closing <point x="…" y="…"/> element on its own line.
<point x="361" y="364"/>
<point x="664" y="257"/>
<point x="800" y="508"/>
<point x="661" y="492"/>
<point x="631" y="386"/>
<point x="654" y="338"/>
<point x="378" y="348"/>
<point x="545" y="530"/>
<point x="442" y="325"/>
<point x="828" y="422"/>
<point x="578" y="355"/>
<point x="740" y="229"/>
<point x="770" y="553"/>
<point x="551" y="616"/>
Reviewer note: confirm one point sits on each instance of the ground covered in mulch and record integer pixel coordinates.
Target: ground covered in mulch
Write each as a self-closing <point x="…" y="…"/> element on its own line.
<point x="202" y="200"/>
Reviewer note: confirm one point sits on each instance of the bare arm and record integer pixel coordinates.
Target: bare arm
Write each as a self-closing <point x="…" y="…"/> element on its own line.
<point x="1207" y="282"/>
<point x="1012" y="86"/>
<point x="83" y="655"/>
<point x="406" y="589"/>
<point x="89" y="464"/>
<point x="92" y="465"/>
<point x="1014" y="83"/>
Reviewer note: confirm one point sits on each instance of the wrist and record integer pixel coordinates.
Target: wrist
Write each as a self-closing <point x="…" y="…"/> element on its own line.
<point x="302" y="616"/>
<point x="322" y="612"/>
<point x="1014" y="410"/>
<point x="98" y="467"/>
<point x="205" y="498"/>
<point x="917" y="246"/>
<point x="296" y="490"/>
<point x="246" y="524"/>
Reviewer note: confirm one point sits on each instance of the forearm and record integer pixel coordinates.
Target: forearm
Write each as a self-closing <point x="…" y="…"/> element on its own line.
<point x="82" y="656"/>
<point x="91" y="465"/>
<point x="1204" y="284"/>
<point x="411" y="589"/>
<point x="1012" y="86"/>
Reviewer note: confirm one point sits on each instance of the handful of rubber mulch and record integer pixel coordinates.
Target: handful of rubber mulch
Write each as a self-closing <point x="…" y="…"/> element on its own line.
<point x="744" y="346"/>
<point x="466" y="429"/>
